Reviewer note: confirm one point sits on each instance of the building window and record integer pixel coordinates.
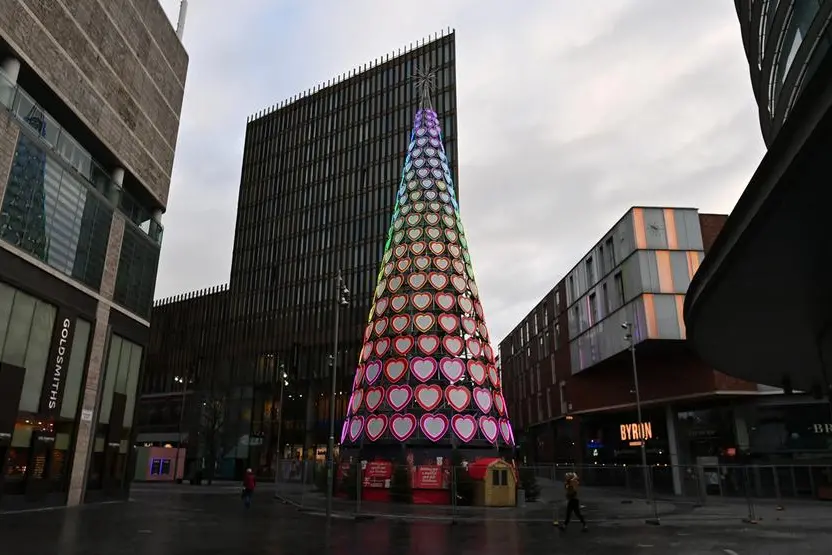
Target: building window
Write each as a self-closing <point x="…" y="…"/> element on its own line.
<point x="50" y="214"/>
<point x="593" y="309"/>
<point x="590" y="272"/>
<point x="609" y="251"/>
<point x="25" y="332"/>
<point x="605" y="299"/>
<point x="619" y="289"/>
<point x="136" y="278"/>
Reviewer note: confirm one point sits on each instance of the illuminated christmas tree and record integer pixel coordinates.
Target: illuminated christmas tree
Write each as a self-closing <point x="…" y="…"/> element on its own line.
<point x="426" y="375"/>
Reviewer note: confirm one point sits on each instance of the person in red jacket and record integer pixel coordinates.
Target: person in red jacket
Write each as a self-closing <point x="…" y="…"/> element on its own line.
<point x="249" y="484"/>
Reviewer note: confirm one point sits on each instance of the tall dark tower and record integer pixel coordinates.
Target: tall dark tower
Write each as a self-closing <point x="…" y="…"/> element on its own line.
<point x="318" y="185"/>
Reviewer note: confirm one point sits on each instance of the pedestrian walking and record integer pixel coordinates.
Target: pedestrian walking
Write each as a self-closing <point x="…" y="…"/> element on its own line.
<point x="573" y="505"/>
<point x="249" y="483"/>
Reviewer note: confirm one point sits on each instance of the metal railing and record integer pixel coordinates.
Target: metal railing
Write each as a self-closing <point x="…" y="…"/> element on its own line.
<point x="742" y="493"/>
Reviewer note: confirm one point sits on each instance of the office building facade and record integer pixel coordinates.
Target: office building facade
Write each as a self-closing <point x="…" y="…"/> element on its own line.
<point x="759" y="307"/>
<point x="319" y="181"/>
<point x="568" y="371"/>
<point x="89" y="116"/>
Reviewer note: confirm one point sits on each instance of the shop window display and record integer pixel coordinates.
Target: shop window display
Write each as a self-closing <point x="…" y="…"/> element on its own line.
<point x="36" y="442"/>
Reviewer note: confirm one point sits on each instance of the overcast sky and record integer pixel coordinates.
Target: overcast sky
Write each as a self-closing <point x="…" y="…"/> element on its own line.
<point x="569" y="113"/>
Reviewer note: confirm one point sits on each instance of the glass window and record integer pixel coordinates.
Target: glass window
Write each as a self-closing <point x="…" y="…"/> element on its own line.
<point x="50" y="214"/>
<point x="110" y="374"/>
<point x="6" y="302"/>
<point x="136" y="278"/>
<point x="17" y="336"/>
<point x="75" y="369"/>
<point x="37" y="353"/>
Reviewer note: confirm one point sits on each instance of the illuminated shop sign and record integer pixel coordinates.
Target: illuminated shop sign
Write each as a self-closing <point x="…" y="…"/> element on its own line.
<point x="822" y="428"/>
<point x="637" y="432"/>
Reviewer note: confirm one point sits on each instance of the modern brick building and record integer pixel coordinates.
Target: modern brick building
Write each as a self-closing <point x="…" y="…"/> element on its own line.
<point x="567" y="367"/>
<point x="319" y="181"/>
<point x="90" y="97"/>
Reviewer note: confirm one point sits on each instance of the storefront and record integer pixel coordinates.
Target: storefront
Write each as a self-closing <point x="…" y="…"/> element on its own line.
<point x="45" y="345"/>
<point x="43" y="353"/>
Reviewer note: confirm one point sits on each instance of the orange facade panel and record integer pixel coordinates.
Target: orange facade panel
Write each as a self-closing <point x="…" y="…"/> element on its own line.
<point x="670" y="228"/>
<point x="638" y="228"/>
<point x="665" y="271"/>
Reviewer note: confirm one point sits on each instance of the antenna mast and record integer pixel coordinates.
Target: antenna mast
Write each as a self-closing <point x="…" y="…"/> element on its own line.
<point x="425" y="83"/>
<point x="180" y="24"/>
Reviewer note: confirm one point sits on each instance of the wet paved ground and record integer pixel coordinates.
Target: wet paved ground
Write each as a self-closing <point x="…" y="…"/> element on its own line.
<point x="212" y="521"/>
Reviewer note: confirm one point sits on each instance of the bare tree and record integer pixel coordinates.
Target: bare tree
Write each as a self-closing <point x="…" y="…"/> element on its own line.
<point x="211" y="426"/>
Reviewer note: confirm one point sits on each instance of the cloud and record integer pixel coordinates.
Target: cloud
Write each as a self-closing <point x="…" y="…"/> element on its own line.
<point x="569" y="113"/>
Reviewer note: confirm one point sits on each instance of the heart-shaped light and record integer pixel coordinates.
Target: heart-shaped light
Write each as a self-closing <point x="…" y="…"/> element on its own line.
<point x="506" y="431"/>
<point x="398" y="396"/>
<point x="376" y="424"/>
<point x="402" y="426"/>
<point x="398" y="303"/>
<point x="437" y="248"/>
<point x="382" y="346"/>
<point x="459" y="397"/>
<point x="356" y="427"/>
<point x="422" y="262"/>
<point x="453" y="344"/>
<point x="452" y="368"/>
<point x="445" y="301"/>
<point x="373" y="398"/>
<point x="448" y="322"/>
<point x="423" y="321"/>
<point x="438" y="281"/>
<point x="403" y="344"/>
<point x="488" y="427"/>
<point x="464" y="426"/>
<point x="428" y="396"/>
<point x="418" y="247"/>
<point x="483" y="399"/>
<point x="400" y="322"/>
<point x="357" y="399"/>
<point x="428" y="344"/>
<point x="403" y="264"/>
<point x="395" y="283"/>
<point x="417" y="280"/>
<point x="372" y="371"/>
<point x="465" y="304"/>
<point x="381" y="305"/>
<point x="434" y="426"/>
<point x="423" y="368"/>
<point x="421" y="300"/>
<point x="395" y="368"/>
<point x="477" y="371"/>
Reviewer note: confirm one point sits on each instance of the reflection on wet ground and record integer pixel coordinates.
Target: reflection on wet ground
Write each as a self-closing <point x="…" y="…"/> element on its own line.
<point x="170" y="523"/>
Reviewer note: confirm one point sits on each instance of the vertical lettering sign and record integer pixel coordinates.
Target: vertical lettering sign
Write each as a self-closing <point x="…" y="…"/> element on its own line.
<point x="56" y="366"/>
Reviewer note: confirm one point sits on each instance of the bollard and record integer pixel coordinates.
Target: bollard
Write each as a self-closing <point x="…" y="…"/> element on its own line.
<point x="453" y="495"/>
<point x="752" y="517"/>
<point x="359" y="483"/>
<point x="777" y="489"/>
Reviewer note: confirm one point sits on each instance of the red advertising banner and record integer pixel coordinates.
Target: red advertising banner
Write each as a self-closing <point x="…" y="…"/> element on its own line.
<point x="377" y="474"/>
<point x="429" y="477"/>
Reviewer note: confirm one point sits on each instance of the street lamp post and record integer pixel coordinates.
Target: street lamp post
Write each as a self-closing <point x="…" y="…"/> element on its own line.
<point x="184" y="381"/>
<point x="342" y="298"/>
<point x="648" y="484"/>
<point x="283" y="382"/>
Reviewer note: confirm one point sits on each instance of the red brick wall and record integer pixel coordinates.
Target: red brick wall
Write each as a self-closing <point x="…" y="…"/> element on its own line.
<point x="711" y="225"/>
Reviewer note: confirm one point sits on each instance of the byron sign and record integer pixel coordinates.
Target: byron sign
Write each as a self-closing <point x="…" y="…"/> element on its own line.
<point x="57" y="365"/>
<point x="636" y="432"/>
